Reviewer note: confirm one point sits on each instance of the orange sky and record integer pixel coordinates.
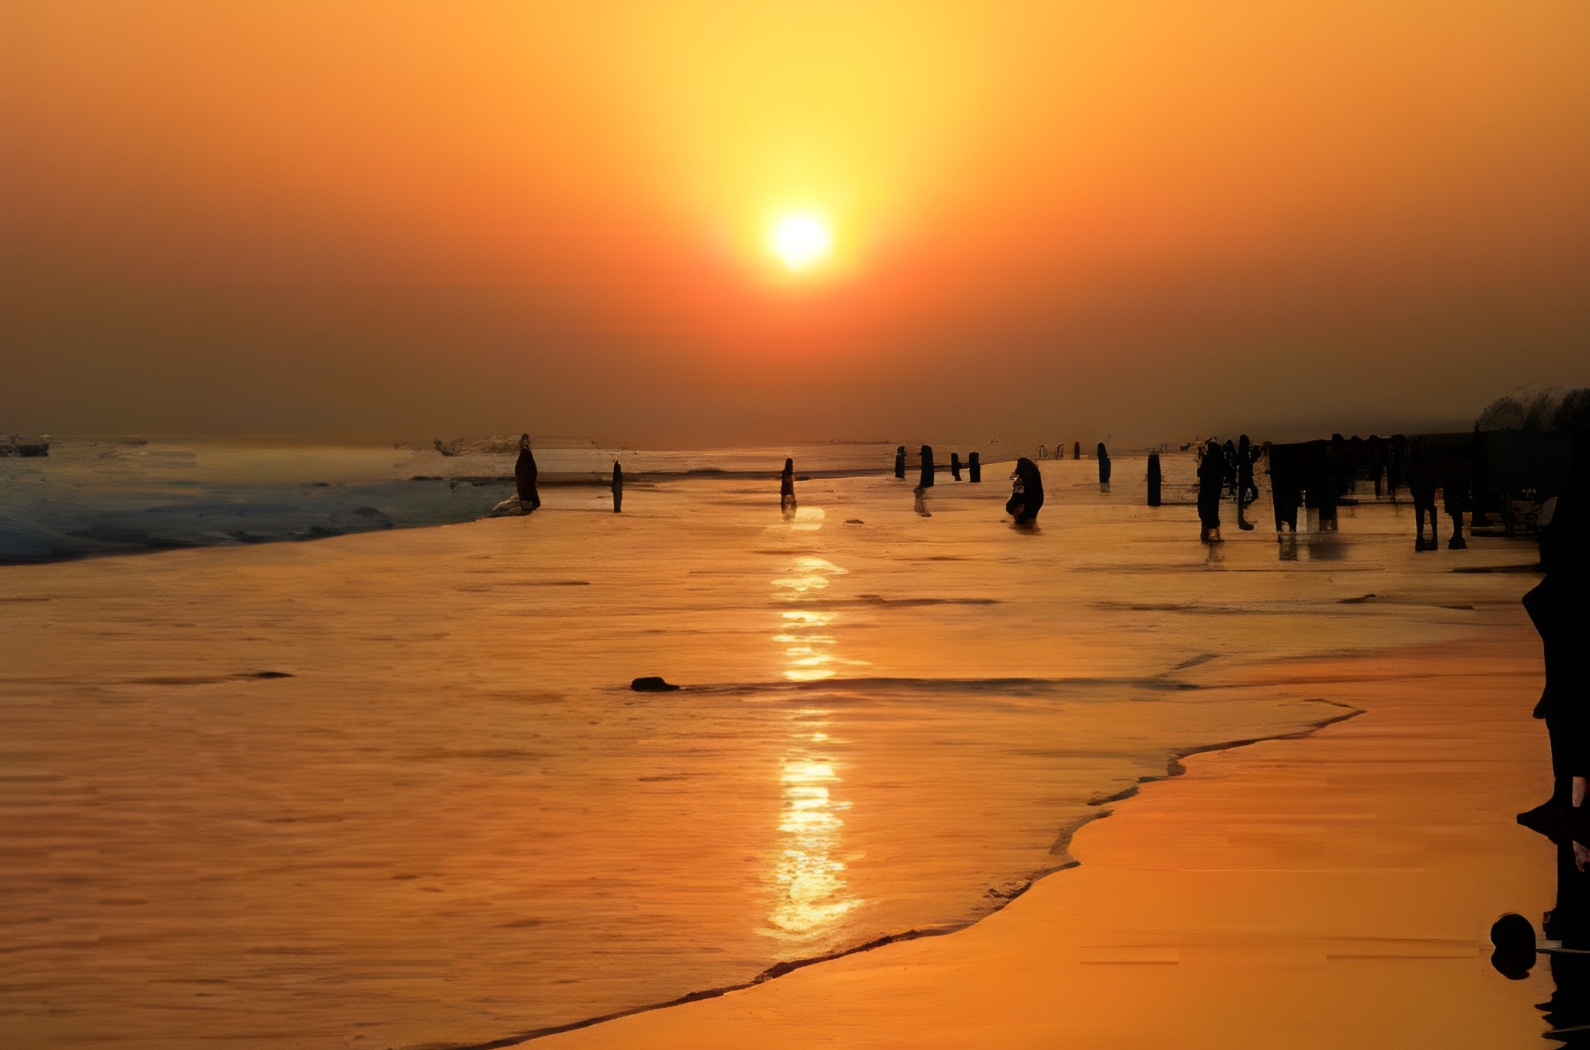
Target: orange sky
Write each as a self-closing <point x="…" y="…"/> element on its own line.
<point x="385" y="220"/>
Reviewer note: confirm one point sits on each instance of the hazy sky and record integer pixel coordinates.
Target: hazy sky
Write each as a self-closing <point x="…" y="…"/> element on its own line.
<point x="388" y="220"/>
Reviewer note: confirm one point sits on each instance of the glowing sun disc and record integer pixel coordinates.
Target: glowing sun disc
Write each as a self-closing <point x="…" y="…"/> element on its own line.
<point x="802" y="240"/>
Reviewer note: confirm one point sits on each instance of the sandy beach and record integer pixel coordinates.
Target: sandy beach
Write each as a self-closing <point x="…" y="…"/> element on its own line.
<point x="392" y="790"/>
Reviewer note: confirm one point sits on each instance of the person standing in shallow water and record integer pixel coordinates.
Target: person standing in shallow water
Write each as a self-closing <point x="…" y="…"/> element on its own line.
<point x="1211" y="480"/>
<point x="1247" y="492"/>
<point x="1026" y="493"/>
<point x="618" y="487"/>
<point x="786" y="488"/>
<point x="524" y="475"/>
<point x="926" y="482"/>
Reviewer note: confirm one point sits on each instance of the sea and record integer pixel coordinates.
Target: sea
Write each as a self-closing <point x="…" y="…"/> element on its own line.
<point x="385" y="782"/>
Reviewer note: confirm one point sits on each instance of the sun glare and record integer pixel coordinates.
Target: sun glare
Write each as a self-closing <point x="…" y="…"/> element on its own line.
<point x="801" y="239"/>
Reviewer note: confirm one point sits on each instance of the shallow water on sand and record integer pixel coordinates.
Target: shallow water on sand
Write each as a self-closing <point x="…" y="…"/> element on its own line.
<point x="393" y="789"/>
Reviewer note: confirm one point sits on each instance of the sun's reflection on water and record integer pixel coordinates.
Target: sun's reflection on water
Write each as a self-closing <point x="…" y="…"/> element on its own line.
<point x="805" y="633"/>
<point x="812" y="893"/>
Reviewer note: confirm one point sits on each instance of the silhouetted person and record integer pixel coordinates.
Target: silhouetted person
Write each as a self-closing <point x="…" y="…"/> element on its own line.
<point x="1396" y="464"/>
<point x="1211" y="478"/>
<point x="786" y="488"/>
<point x="1559" y="606"/>
<point x="524" y="475"/>
<point x="1228" y="452"/>
<point x="1377" y="463"/>
<point x="899" y="462"/>
<point x="1423" y="493"/>
<point x="1454" y="493"/>
<point x="955" y="465"/>
<point x="1104" y="468"/>
<point x="1247" y="492"/>
<point x="618" y="487"/>
<point x="1026" y="492"/>
<point x="1153" y="479"/>
<point x="1076" y="450"/>
<point x="974" y="468"/>
<point x="926" y="482"/>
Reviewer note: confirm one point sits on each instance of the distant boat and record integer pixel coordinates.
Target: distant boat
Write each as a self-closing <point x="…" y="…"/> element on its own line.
<point x="16" y="445"/>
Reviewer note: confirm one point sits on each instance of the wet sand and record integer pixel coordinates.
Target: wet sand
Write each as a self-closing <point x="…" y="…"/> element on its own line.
<point x="383" y="848"/>
<point x="1321" y="892"/>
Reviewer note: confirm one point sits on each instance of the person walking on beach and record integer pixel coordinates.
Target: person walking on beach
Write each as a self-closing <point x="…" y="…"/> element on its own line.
<point x="926" y="482"/>
<point x="786" y="489"/>
<point x="618" y="487"/>
<point x="1211" y="480"/>
<point x="1026" y="493"/>
<point x="899" y="462"/>
<point x="524" y="476"/>
<point x="1104" y="468"/>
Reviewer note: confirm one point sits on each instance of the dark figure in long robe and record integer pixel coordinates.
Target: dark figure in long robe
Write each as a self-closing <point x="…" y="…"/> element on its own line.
<point x="1211" y="480"/>
<point x="899" y="462"/>
<point x="1104" y="468"/>
<point x="1076" y="450"/>
<point x="524" y="475"/>
<point x="618" y="487"/>
<point x="1154" y="479"/>
<point x="926" y="482"/>
<point x="786" y="488"/>
<point x="1026" y="493"/>
<point x="974" y="467"/>
<point x="955" y="465"/>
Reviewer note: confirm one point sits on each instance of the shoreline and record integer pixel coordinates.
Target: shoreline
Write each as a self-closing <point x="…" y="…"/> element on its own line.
<point x="1062" y="848"/>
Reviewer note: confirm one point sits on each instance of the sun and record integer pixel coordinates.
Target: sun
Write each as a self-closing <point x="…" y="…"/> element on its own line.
<point x="801" y="239"/>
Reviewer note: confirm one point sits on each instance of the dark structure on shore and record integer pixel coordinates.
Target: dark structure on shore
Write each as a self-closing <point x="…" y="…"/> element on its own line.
<point x="1104" y="468"/>
<point x="1154" y="479"/>
<point x="974" y="468"/>
<point x="899" y="462"/>
<point x="955" y="465"/>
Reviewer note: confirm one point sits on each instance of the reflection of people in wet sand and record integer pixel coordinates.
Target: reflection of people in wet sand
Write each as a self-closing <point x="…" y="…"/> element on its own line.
<point x="1026" y="492"/>
<point x="524" y="476"/>
<point x="926" y="482"/>
<point x="1211" y="479"/>
<point x="618" y="487"/>
<point x="786" y="488"/>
